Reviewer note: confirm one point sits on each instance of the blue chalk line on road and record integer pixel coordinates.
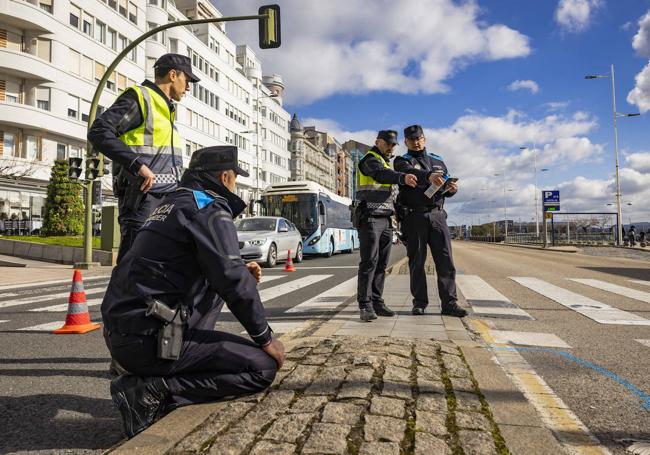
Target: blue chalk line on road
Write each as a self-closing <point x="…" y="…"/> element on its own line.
<point x="645" y="398"/>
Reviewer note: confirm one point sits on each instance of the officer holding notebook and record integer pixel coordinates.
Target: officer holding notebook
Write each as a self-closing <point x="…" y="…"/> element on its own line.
<point x="424" y="222"/>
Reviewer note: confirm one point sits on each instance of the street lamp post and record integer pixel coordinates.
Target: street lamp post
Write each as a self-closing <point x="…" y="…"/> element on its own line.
<point x="536" y="186"/>
<point x="615" y="115"/>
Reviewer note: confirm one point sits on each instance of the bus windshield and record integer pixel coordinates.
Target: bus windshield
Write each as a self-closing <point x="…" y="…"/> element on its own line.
<point x="300" y="209"/>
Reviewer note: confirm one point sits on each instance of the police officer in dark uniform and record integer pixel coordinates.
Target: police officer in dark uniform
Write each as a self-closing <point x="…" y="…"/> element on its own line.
<point x="160" y="307"/>
<point x="138" y="134"/>
<point x="374" y="208"/>
<point x="424" y="223"/>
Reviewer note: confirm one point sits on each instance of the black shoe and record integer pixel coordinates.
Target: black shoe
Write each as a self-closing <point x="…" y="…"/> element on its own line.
<point x="454" y="310"/>
<point x="140" y="401"/>
<point x="367" y="314"/>
<point x="115" y="369"/>
<point x="383" y="310"/>
<point x="418" y="311"/>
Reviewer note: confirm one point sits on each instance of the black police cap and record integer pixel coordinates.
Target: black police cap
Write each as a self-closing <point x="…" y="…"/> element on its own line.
<point x="177" y="62"/>
<point x="389" y="136"/>
<point x="216" y="158"/>
<point x="413" y="131"/>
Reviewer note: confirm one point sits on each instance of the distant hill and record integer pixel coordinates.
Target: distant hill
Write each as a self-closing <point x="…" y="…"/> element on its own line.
<point x="641" y="226"/>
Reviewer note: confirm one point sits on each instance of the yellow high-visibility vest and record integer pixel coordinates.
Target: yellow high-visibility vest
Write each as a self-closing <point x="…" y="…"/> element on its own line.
<point x="376" y="195"/>
<point x="156" y="141"/>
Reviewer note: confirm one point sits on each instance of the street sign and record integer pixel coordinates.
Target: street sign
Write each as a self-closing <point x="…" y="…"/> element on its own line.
<point x="551" y="200"/>
<point x="549" y="215"/>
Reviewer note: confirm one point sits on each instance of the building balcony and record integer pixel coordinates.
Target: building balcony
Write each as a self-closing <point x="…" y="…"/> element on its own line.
<point x="27" y="16"/>
<point x="25" y="116"/>
<point x="154" y="48"/>
<point x="156" y="15"/>
<point x="27" y="66"/>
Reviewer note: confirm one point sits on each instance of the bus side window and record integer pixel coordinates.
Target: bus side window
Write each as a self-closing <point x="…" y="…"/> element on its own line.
<point x="321" y="212"/>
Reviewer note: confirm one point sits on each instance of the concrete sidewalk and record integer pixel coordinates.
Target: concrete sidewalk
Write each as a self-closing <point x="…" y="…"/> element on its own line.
<point x="17" y="271"/>
<point x="403" y="385"/>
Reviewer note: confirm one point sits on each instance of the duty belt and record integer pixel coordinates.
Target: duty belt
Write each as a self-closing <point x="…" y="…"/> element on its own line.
<point x="379" y="205"/>
<point x="166" y="178"/>
<point x="425" y="209"/>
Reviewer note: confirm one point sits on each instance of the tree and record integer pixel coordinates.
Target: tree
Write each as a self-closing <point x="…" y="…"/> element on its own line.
<point x="16" y="169"/>
<point x="64" y="210"/>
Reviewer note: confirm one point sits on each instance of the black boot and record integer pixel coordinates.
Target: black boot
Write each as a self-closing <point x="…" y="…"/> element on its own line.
<point x="383" y="310"/>
<point x="140" y="401"/>
<point x="367" y="314"/>
<point x="454" y="310"/>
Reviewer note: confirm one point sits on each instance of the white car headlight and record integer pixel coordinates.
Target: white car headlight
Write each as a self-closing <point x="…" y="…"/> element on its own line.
<point x="257" y="242"/>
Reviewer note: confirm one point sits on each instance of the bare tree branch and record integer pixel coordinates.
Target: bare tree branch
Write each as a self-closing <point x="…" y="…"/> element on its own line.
<point x="17" y="169"/>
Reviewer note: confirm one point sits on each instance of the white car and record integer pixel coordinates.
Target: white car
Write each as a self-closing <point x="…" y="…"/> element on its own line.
<point x="268" y="239"/>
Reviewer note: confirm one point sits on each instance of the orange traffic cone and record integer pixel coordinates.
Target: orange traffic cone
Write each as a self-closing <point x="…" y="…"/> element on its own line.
<point x="289" y="266"/>
<point x="78" y="319"/>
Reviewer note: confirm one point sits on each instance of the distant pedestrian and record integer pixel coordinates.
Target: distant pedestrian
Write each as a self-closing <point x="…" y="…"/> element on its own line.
<point x="642" y="239"/>
<point x="632" y="236"/>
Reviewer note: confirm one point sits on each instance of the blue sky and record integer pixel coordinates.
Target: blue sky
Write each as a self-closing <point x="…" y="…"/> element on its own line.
<point x="483" y="78"/>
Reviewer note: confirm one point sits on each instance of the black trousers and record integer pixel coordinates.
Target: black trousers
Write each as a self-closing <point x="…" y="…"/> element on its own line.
<point x="212" y="364"/>
<point x="131" y="220"/>
<point x="429" y="230"/>
<point x="375" y="239"/>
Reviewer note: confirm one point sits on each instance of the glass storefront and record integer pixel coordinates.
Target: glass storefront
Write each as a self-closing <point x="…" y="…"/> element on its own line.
<point x="21" y="206"/>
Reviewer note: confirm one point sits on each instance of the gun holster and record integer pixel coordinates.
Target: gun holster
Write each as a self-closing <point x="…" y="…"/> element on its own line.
<point x="357" y="209"/>
<point x="402" y="212"/>
<point x="170" y="336"/>
<point x="132" y="194"/>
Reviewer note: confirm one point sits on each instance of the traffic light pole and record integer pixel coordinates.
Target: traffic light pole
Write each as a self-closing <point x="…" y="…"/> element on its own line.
<point x="88" y="239"/>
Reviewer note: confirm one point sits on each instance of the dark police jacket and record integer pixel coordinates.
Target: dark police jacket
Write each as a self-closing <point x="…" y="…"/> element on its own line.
<point x="422" y="164"/>
<point x="186" y="251"/>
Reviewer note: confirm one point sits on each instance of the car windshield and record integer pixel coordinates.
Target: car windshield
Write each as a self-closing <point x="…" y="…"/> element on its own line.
<point x="255" y="224"/>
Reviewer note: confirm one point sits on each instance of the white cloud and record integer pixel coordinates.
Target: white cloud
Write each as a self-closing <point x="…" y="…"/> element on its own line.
<point x="524" y="85"/>
<point x="641" y="41"/>
<point x="554" y="106"/>
<point x="334" y="129"/>
<point x="639" y="162"/>
<point x="640" y="94"/>
<point x="576" y="15"/>
<point x="382" y="46"/>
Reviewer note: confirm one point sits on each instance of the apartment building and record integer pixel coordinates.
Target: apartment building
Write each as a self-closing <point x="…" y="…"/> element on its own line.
<point x="310" y="160"/>
<point x="53" y="53"/>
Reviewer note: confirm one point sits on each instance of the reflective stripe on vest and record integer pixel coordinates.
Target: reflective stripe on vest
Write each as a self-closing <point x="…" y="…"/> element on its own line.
<point x="156" y="141"/>
<point x="376" y="195"/>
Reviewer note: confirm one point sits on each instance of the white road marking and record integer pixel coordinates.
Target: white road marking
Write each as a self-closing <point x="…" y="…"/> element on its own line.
<point x="8" y="294"/>
<point x="45" y="298"/>
<point x="647" y="283"/>
<point x="615" y="289"/>
<point x="45" y="283"/>
<point x="43" y="327"/>
<point x="485" y="300"/>
<point x="267" y="278"/>
<point x="328" y="267"/>
<point x="4" y="320"/>
<point x="644" y="342"/>
<point x="286" y="288"/>
<point x="528" y="339"/>
<point x="593" y="309"/>
<point x="282" y="327"/>
<point x="64" y="306"/>
<point x="328" y="299"/>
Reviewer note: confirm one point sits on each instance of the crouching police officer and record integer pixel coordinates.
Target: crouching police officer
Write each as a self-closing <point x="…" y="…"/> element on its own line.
<point x="373" y="209"/>
<point x="160" y="306"/>
<point x="424" y="223"/>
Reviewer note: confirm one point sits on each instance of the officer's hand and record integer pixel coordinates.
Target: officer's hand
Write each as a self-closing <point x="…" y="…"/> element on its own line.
<point x="149" y="178"/>
<point x="453" y="187"/>
<point x="255" y="270"/>
<point x="411" y="180"/>
<point x="276" y="350"/>
<point x="436" y="179"/>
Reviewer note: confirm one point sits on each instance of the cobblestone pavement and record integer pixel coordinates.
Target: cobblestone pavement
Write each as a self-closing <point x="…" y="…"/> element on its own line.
<point x="351" y="395"/>
<point x="629" y="253"/>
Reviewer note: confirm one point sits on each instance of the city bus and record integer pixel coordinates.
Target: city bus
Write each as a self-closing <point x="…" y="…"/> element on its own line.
<point x="322" y="217"/>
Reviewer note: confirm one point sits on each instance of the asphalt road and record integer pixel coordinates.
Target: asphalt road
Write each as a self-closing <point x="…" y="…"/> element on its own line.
<point x="613" y="413"/>
<point x="54" y="388"/>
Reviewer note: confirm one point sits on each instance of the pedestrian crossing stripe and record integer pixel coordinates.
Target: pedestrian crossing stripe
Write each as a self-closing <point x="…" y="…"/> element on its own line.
<point x="615" y="289"/>
<point x="590" y="308"/>
<point x="647" y="283"/>
<point x="486" y="301"/>
<point x="47" y="327"/>
<point x="64" y="306"/>
<point x="267" y="278"/>
<point x="8" y="294"/>
<point x="329" y="299"/>
<point x="644" y="342"/>
<point x="549" y="340"/>
<point x="45" y="298"/>
<point x="4" y="320"/>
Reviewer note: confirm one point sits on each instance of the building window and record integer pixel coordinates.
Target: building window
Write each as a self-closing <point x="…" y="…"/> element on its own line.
<point x="88" y="25"/>
<point x="46" y="5"/>
<point x="74" y="62"/>
<point x="61" y="151"/>
<point x="87" y="68"/>
<point x="73" y="107"/>
<point x="121" y="82"/>
<point x="122" y="43"/>
<point x="75" y="152"/>
<point x="110" y="83"/>
<point x="32" y="149"/>
<point x="44" y="49"/>
<point x="75" y="14"/>
<point x="133" y="13"/>
<point x="133" y="55"/>
<point x="9" y="144"/>
<point x="112" y="4"/>
<point x="173" y="45"/>
<point x="43" y="98"/>
<point x="112" y="39"/>
<point x="100" y="32"/>
<point x="122" y="7"/>
<point x="85" y="110"/>
<point x="99" y="71"/>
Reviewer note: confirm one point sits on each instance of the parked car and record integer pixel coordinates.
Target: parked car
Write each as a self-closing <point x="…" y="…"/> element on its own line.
<point x="267" y="239"/>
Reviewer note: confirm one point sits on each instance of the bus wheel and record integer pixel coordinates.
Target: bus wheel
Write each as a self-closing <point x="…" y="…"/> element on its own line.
<point x="330" y="251"/>
<point x="272" y="257"/>
<point x="298" y="257"/>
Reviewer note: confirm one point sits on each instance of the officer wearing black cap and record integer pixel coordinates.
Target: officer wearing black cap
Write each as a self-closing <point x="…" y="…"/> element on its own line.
<point x="138" y="134"/>
<point x="373" y="209"/>
<point x="424" y="222"/>
<point x="163" y="297"/>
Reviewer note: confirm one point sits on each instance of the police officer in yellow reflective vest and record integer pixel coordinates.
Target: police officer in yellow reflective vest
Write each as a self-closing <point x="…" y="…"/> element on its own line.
<point x="373" y="209"/>
<point x="138" y="134"/>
